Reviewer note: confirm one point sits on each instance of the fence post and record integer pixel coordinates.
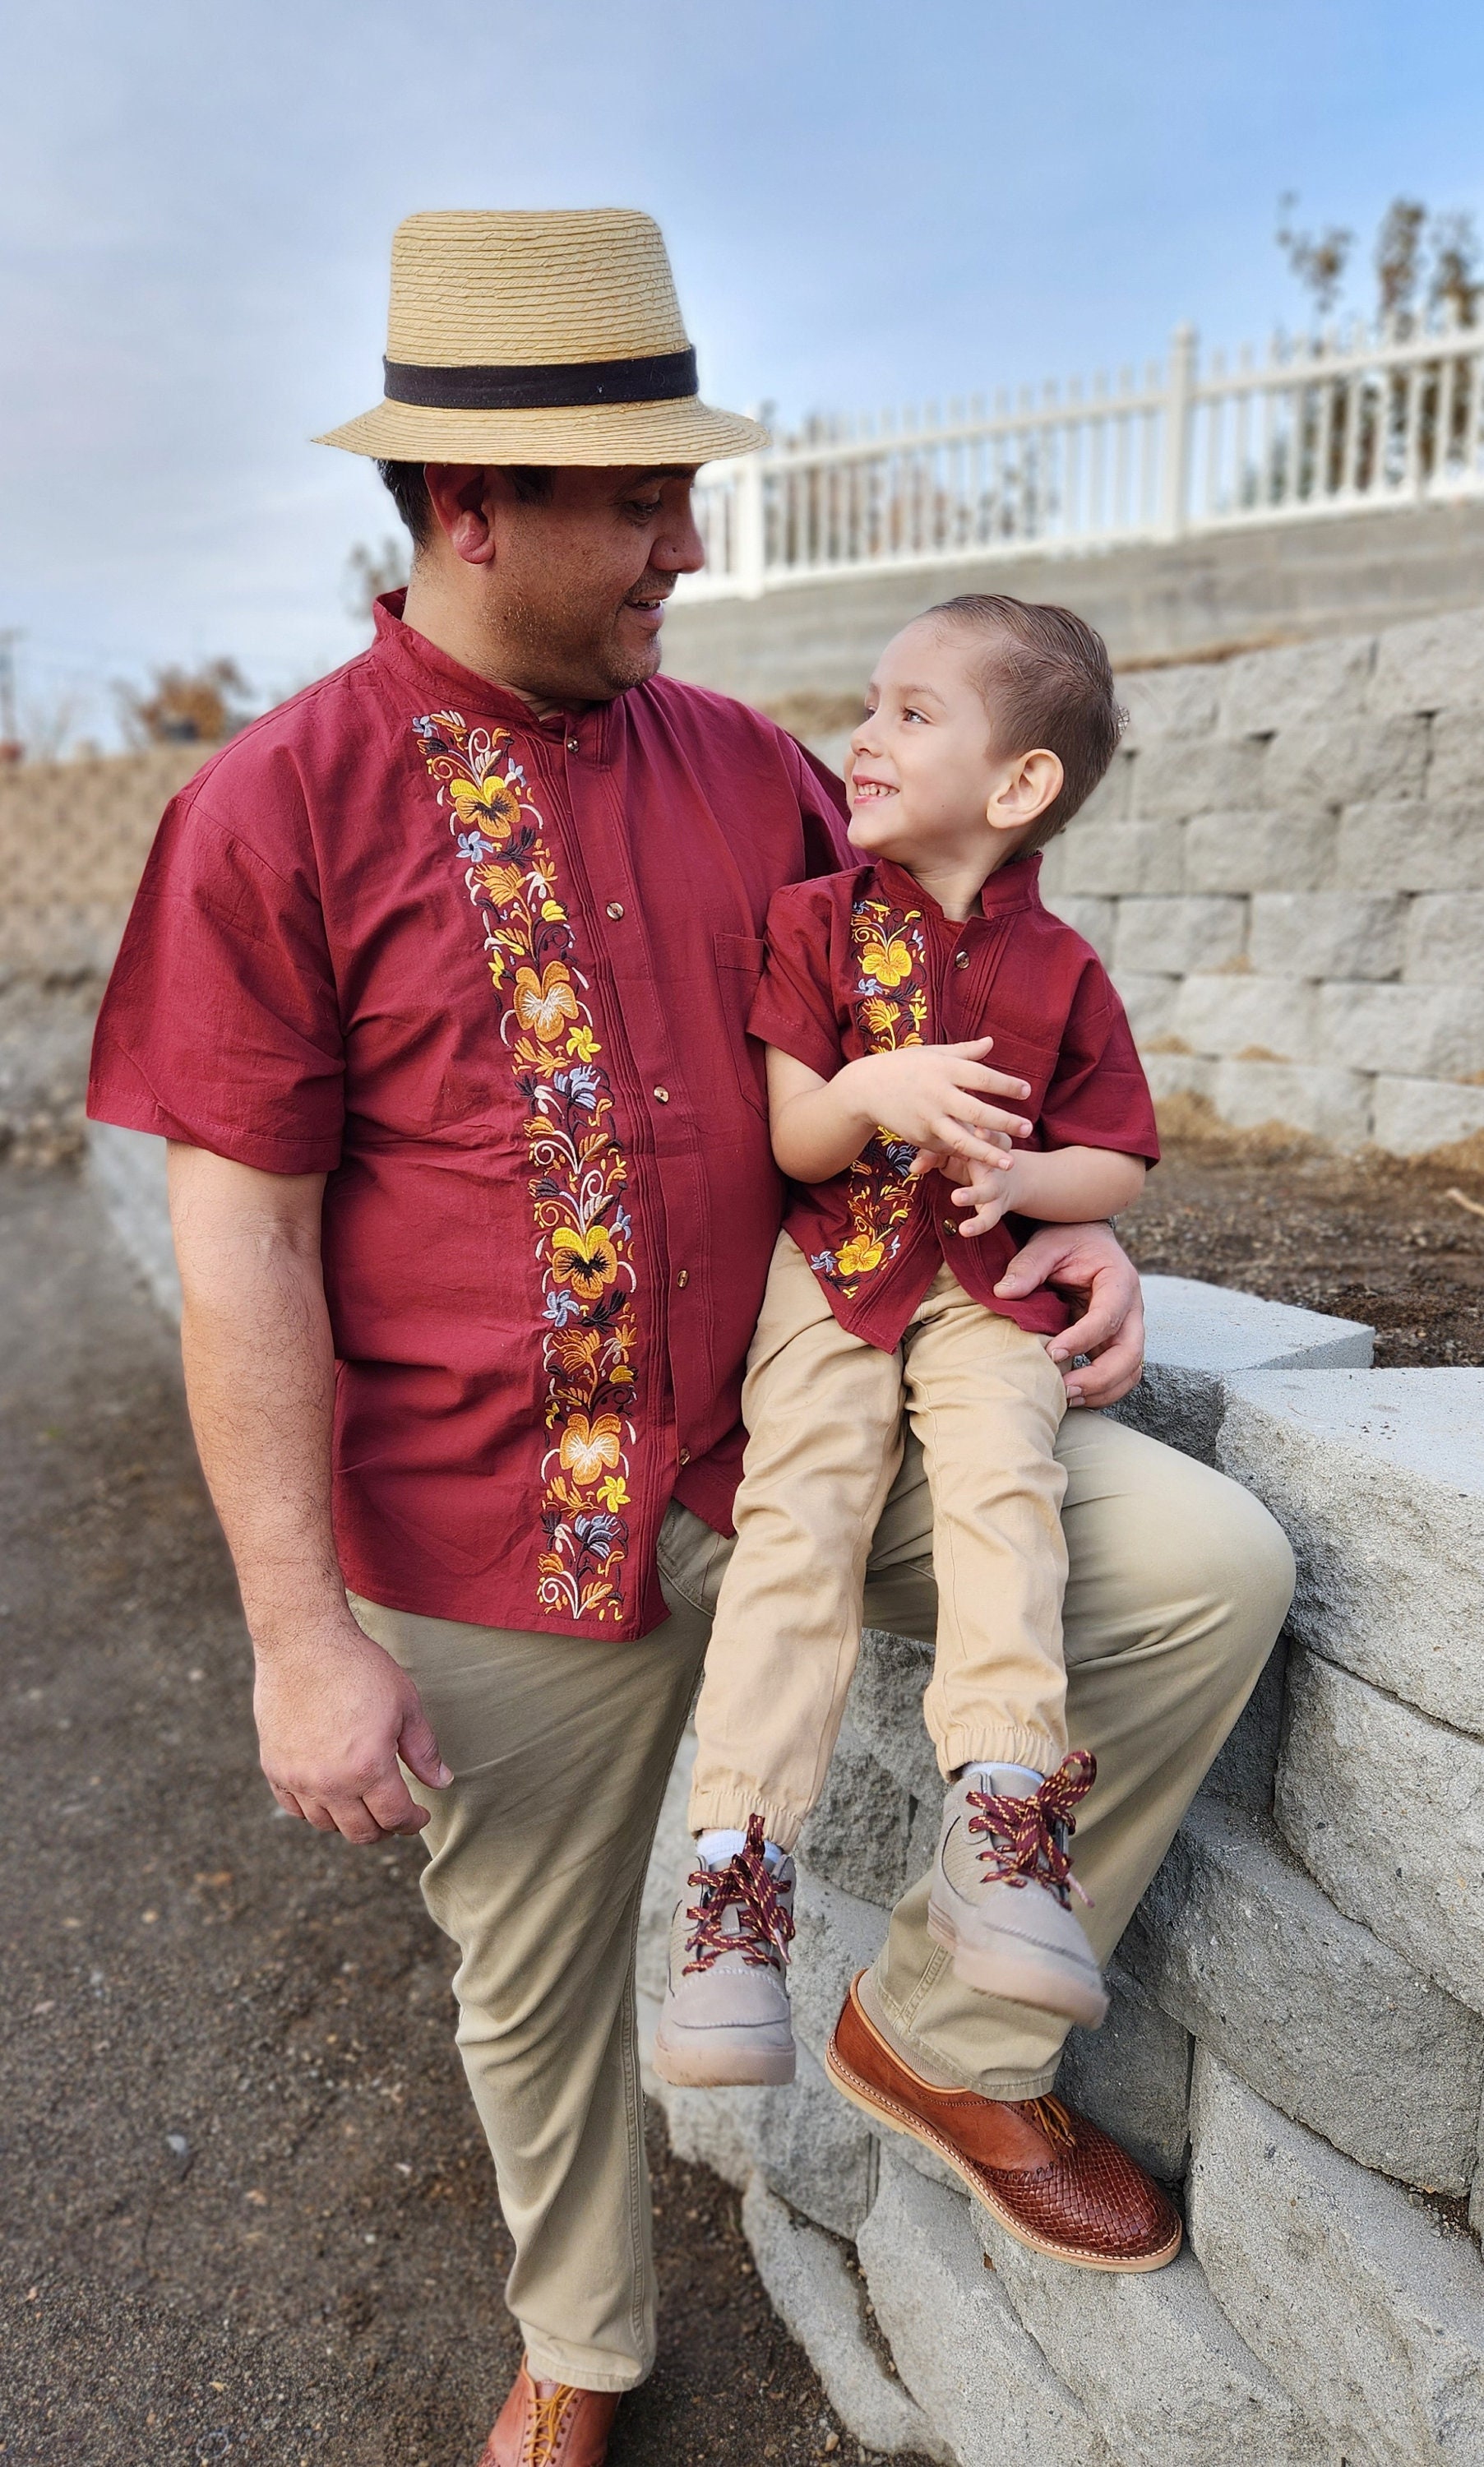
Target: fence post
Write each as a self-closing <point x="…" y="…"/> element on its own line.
<point x="1178" y="407"/>
<point x="751" y="538"/>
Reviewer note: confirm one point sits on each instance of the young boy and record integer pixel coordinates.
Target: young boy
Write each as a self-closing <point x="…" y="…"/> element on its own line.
<point x="887" y="992"/>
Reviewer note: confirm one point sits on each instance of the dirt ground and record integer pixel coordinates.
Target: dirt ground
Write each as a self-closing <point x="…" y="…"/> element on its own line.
<point x="247" y="2214"/>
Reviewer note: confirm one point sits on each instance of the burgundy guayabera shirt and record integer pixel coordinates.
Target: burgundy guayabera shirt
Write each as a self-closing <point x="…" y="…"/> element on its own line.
<point x="867" y="961"/>
<point x="493" y="976"/>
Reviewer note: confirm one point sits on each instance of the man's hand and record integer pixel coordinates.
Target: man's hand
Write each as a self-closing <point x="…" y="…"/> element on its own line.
<point x="1087" y="1261"/>
<point x="334" y="1713"/>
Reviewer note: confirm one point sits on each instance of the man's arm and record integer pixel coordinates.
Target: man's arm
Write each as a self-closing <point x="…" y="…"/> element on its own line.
<point x="334" y="1712"/>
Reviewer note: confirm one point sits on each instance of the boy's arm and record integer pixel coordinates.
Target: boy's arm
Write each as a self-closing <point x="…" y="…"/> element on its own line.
<point x="1071" y="1185"/>
<point x="927" y="1094"/>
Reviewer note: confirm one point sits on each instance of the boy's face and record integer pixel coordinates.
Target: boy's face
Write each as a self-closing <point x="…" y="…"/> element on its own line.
<point x="926" y="782"/>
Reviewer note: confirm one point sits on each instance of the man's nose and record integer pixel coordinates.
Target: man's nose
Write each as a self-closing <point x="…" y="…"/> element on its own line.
<point x="679" y="548"/>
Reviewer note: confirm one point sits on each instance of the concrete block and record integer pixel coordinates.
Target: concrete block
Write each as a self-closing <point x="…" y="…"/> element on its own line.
<point x="1243" y="850"/>
<point x="1321" y="934"/>
<point x="979" y="2377"/>
<point x="1456" y="766"/>
<point x="1332" y="1105"/>
<point x="1242" y="1948"/>
<point x="126" y="1169"/>
<point x="1113" y="859"/>
<point x="811" y="2146"/>
<point x="1157" y="2364"/>
<point x="1413" y="1117"/>
<point x="1197" y="1336"/>
<point x="1149" y="1002"/>
<point x="837" y="1935"/>
<point x="1091" y="919"/>
<point x="1245" y="1766"/>
<point x="1301" y="684"/>
<point x="886" y="1710"/>
<point x="1429" y="664"/>
<point x="1170" y="702"/>
<point x="1444" y="943"/>
<point x="1265" y="1019"/>
<point x="812" y="2286"/>
<point x="1378" y="1479"/>
<point x="858" y="1834"/>
<point x="1179" y="1074"/>
<point x="1339" y="764"/>
<point x="1133" y="2077"/>
<point x="1108" y="802"/>
<point x="1406" y="848"/>
<point x="1355" y="2297"/>
<point x="1386" y="1809"/>
<point x="1177" y="777"/>
<point x="1171" y="937"/>
<point x="1418" y="1031"/>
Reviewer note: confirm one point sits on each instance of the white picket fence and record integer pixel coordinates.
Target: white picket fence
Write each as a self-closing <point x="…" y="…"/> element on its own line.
<point x="1326" y="425"/>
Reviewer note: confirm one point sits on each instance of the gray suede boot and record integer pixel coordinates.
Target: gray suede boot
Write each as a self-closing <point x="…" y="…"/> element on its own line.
<point x="1001" y="1896"/>
<point x="726" y="2018"/>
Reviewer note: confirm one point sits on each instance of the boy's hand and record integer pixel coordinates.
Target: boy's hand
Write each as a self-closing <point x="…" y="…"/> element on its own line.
<point x="933" y="1096"/>
<point x="989" y="1190"/>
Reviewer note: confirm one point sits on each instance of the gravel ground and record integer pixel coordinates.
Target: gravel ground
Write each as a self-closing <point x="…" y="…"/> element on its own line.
<point x="247" y="2212"/>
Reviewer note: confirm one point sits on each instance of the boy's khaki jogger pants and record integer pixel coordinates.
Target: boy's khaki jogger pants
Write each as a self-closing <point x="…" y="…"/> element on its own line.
<point x="1178" y="1585"/>
<point x="824" y="1412"/>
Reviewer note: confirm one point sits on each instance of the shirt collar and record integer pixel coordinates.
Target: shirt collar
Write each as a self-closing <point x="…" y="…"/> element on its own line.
<point x="410" y="656"/>
<point x="1014" y="885"/>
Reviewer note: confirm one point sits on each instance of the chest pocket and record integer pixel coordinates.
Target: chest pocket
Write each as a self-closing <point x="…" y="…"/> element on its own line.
<point x="739" y="967"/>
<point x="1024" y="1058"/>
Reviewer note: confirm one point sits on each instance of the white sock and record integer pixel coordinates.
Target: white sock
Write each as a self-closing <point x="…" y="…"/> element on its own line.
<point x="715" y="1850"/>
<point x="987" y="1773"/>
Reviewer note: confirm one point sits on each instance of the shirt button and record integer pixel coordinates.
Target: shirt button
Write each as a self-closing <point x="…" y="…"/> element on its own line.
<point x="960" y="958"/>
<point x="571" y="745"/>
<point x="684" y="1278"/>
<point x="662" y="1096"/>
<point x="685" y="1455"/>
<point x="615" y="908"/>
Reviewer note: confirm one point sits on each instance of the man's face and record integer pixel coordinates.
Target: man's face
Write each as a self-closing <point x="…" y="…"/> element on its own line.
<point x="571" y="588"/>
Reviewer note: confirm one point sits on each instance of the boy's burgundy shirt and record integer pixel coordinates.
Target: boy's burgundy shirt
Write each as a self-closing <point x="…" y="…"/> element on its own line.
<point x="491" y="976"/>
<point x="867" y="961"/>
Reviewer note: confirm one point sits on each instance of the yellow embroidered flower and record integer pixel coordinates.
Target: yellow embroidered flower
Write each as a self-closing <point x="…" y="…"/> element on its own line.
<point x="614" y="1492"/>
<point x="889" y="963"/>
<point x="586" y="1447"/>
<point x="858" y="1256"/>
<point x="585" y="1260"/>
<point x="500" y="881"/>
<point x="553" y="913"/>
<point x="544" y="1003"/>
<point x="582" y="1044"/>
<point x="487" y="806"/>
<point x="878" y="1016"/>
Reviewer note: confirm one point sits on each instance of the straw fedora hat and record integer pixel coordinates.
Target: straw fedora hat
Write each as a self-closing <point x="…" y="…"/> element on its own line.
<point x="538" y="338"/>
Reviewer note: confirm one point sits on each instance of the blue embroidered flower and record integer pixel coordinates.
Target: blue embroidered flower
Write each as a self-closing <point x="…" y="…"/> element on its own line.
<point x="599" y="1533"/>
<point x="581" y="1085"/>
<point x="621" y="1221"/>
<point x="562" y="1306"/>
<point x="472" y="846"/>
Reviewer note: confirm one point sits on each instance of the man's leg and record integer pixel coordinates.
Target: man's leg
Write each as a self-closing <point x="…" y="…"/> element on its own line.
<point x="560" y="1749"/>
<point x="1178" y="1583"/>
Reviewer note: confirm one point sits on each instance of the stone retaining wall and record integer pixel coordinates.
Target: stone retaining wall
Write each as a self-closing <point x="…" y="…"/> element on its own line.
<point x="1284" y="872"/>
<point x="1296" y="2036"/>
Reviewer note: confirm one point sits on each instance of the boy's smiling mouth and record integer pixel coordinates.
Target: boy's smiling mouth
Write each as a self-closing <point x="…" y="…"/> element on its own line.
<point x="862" y="790"/>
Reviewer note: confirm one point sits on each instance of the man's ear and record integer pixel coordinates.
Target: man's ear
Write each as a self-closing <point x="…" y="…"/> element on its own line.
<point x="463" y="496"/>
<point x="1026" y="791"/>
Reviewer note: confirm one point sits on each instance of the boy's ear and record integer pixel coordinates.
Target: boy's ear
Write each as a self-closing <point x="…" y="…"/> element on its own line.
<point x="1024" y="796"/>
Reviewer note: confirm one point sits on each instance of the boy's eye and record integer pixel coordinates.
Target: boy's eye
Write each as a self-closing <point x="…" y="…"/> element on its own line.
<point x="910" y="714"/>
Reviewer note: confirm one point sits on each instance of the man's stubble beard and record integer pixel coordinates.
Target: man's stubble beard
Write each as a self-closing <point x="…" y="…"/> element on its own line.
<point x="560" y="656"/>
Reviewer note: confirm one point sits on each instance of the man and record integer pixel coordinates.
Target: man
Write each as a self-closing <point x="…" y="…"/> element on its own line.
<point x="436" y="984"/>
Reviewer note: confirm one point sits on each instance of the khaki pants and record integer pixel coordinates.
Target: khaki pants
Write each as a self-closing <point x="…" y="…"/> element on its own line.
<point x="1177" y="1587"/>
<point x="824" y="1412"/>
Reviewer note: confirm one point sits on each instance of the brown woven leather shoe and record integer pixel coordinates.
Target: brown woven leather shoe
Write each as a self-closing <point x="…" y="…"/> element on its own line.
<point x="1052" y="2179"/>
<point x="549" y="2424"/>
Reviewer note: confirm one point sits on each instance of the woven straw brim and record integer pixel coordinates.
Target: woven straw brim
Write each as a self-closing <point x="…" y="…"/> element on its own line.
<point x="601" y="435"/>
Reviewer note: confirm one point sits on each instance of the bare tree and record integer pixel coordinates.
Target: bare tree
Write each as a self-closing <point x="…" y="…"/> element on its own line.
<point x="1317" y="259"/>
<point x="371" y="571"/>
<point x="201" y="706"/>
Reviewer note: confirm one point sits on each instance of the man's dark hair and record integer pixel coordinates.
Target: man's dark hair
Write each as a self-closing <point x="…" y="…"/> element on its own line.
<point x="409" y="490"/>
<point x="1047" y="679"/>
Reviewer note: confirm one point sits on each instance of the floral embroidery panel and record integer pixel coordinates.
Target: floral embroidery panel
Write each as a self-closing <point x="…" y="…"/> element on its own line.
<point x="889" y="1005"/>
<point x="584" y="1235"/>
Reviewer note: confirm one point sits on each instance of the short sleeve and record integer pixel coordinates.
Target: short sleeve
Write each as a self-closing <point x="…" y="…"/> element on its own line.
<point x="220" y="1026"/>
<point x="1098" y="1095"/>
<point x="794" y="1007"/>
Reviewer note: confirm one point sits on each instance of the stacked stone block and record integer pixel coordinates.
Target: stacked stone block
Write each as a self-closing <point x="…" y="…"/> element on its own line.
<point x="1284" y="872"/>
<point x="1296" y="2035"/>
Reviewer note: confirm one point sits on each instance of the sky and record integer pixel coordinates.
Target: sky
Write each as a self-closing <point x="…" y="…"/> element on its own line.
<point x="868" y="202"/>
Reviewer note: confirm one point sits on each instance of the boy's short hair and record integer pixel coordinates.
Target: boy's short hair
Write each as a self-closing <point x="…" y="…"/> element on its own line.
<point x="1047" y="678"/>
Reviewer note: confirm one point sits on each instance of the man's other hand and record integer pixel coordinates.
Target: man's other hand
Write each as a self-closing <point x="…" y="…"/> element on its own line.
<point x="1087" y="1263"/>
<point x="334" y="1714"/>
